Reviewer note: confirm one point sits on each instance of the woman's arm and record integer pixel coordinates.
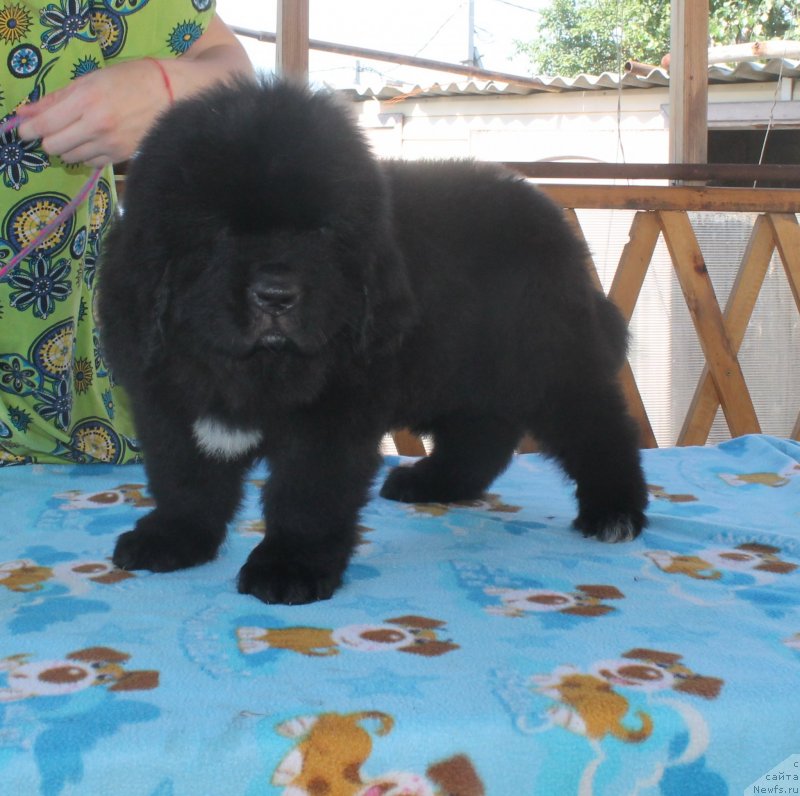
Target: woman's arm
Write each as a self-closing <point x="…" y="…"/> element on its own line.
<point x="101" y="117"/>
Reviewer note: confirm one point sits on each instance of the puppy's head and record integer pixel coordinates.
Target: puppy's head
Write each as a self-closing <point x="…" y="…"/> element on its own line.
<point x="281" y="292"/>
<point x="265" y="225"/>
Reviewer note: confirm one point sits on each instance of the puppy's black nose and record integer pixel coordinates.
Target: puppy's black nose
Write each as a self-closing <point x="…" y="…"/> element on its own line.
<point x="273" y="298"/>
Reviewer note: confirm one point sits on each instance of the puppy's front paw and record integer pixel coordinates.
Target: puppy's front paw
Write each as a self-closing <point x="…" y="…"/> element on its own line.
<point x="162" y="545"/>
<point x="275" y="579"/>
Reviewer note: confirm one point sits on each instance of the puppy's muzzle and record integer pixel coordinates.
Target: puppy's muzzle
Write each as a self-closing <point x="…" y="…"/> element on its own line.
<point x="271" y="299"/>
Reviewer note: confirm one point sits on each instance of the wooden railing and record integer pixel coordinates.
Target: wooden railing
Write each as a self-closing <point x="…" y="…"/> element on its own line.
<point x="663" y="212"/>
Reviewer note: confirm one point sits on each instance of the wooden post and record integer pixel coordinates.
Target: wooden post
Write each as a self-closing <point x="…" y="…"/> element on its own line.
<point x="292" y="40"/>
<point x="688" y="82"/>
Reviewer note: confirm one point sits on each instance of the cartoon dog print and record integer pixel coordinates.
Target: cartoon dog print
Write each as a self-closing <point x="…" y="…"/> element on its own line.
<point x="711" y="564"/>
<point x="252" y="527"/>
<point x="679" y="564"/>
<point x="489" y="502"/>
<point x="413" y="634"/>
<point x="586" y="600"/>
<point x="94" y="666"/>
<point x="764" y="479"/>
<point x="256" y="527"/>
<point x="75" y="573"/>
<point x="588" y="705"/>
<point x="659" y="493"/>
<point x="333" y="747"/>
<point x="455" y="776"/>
<point x="25" y="575"/>
<point x="125" y="494"/>
<point x="653" y="670"/>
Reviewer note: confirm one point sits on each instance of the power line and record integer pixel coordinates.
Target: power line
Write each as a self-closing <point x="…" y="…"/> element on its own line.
<point x="439" y="29"/>
<point x="516" y="5"/>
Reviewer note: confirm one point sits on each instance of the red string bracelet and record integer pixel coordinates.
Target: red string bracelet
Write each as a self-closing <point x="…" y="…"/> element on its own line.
<point x="165" y="76"/>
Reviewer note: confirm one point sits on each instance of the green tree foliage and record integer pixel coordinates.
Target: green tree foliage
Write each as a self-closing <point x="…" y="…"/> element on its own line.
<point x="594" y="36"/>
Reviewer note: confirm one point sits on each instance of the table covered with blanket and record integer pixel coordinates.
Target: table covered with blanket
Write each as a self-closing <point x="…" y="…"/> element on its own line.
<point x="474" y="649"/>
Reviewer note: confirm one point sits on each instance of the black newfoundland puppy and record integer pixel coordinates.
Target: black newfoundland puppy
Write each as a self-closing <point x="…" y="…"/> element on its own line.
<point x="273" y="291"/>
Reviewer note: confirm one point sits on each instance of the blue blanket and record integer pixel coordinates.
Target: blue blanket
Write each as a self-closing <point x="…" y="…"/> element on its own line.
<point x="474" y="649"/>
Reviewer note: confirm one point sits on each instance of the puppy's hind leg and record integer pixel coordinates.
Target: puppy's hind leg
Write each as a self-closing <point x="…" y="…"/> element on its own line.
<point x="468" y="454"/>
<point x="587" y="429"/>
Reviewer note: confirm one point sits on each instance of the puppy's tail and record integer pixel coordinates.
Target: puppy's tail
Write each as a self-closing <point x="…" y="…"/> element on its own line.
<point x="385" y="722"/>
<point x="614" y="331"/>
<point x="634" y="736"/>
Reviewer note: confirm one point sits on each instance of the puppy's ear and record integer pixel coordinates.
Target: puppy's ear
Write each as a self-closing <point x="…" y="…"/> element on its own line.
<point x="699" y="685"/>
<point x="389" y="309"/>
<point x="152" y="342"/>
<point x="131" y="297"/>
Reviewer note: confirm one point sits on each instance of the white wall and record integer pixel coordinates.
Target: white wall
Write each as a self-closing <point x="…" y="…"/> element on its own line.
<point x="547" y="126"/>
<point x="530" y="127"/>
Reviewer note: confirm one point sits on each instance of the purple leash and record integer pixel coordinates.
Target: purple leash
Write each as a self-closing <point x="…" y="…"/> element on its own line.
<point x="60" y="218"/>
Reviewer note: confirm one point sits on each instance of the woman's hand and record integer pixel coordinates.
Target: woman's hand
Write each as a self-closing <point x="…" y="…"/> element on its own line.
<point x="101" y="117"/>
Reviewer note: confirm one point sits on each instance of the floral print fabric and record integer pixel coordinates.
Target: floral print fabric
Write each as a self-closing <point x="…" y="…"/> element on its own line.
<point x="58" y="402"/>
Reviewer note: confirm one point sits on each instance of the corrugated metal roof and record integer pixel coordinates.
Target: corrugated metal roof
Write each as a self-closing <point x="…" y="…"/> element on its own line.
<point x="744" y="72"/>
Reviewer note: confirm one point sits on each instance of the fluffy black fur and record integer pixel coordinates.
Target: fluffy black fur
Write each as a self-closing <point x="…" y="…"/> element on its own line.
<point x="269" y="277"/>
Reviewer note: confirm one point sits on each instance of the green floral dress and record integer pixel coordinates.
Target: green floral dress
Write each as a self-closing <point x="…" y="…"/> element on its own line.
<point x="58" y="402"/>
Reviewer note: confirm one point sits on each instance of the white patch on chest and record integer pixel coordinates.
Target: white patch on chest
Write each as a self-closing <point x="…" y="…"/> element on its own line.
<point x="220" y="441"/>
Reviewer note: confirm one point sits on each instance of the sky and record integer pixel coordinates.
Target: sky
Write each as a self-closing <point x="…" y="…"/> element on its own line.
<point x="435" y="29"/>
